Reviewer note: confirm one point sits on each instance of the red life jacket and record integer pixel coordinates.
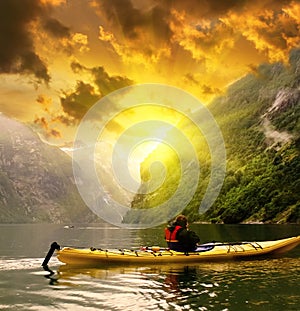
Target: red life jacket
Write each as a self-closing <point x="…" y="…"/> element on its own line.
<point x="171" y="235"/>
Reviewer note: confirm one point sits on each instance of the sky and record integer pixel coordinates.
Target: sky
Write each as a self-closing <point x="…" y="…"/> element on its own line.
<point x="59" y="57"/>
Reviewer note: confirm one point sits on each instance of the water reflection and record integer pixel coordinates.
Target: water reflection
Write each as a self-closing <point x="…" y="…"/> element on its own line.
<point x="245" y="285"/>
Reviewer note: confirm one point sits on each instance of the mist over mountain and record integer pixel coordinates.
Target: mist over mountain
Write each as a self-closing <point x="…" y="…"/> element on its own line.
<point x="259" y="120"/>
<point x="36" y="179"/>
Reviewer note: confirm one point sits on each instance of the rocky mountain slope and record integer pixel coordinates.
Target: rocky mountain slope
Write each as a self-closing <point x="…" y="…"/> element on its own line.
<point x="36" y="180"/>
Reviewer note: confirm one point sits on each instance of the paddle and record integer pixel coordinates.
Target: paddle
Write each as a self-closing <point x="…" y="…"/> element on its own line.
<point x="54" y="246"/>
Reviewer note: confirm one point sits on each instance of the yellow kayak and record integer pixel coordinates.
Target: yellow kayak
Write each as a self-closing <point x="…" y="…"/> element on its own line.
<point x="156" y="255"/>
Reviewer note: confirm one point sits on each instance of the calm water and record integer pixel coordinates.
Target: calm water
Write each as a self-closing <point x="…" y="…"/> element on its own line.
<point x="269" y="284"/>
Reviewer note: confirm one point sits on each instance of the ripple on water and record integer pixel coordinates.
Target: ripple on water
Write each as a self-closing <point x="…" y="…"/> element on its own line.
<point x="22" y="263"/>
<point x="248" y="285"/>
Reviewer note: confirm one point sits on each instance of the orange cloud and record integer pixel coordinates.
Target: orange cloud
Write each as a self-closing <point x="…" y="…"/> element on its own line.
<point x="48" y="123"/>
<point x="48" y="131"/>
<point x="293" y="11"/>
<point x="78" y="42"/>
<point x="135" y="52"/>
<point x="54" y="2"/>
<point x="206" y="41"/>
<point x="54" y="133"/>
<point x="79" y="51"/>
<point x="273" y="33"/>
<point x="45" y="101"/>
<point x="42" y="122"/>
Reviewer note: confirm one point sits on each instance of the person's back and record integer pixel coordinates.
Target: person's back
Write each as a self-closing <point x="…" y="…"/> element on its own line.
<point x="179" y="238"/>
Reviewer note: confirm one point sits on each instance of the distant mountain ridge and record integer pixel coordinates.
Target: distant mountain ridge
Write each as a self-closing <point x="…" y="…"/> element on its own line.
<point x="36" y="179"/>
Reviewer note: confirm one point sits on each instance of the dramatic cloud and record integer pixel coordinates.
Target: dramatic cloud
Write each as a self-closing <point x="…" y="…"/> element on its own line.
<point x="107" y="84"/>
<point x="48" y="131"/>
<point x="133" y="21"/>
<point x="56" y="28"/>
<point x="17" y="54"/>
<point x="213" y="9"/>
<point x="123" y="12"/>
<point x="87" y="49"/>
<point x="80" y="41"/>
<point x="45" y="102"/>
<point x="47" y="125"/>
<point x="137" y="53"/>
<point x="21" y="22"/>
<point x="273" y="33"/>
<point x="219" y="39"/>
<point x="76" y="103"/>
<point x="205" y="26"/>
<point x="140" y="35"/>
<point x="205" y="41"/>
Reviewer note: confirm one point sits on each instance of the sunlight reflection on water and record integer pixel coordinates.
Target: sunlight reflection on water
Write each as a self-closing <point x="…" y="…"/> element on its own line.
<point x="245" y="285"/>
<point x="224" y="286"/>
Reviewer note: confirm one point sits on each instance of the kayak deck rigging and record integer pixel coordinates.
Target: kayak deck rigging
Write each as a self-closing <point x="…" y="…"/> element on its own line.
<point x="235" y="247"/>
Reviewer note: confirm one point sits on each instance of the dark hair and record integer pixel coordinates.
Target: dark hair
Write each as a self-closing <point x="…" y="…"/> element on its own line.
<point x="181" y="220"/>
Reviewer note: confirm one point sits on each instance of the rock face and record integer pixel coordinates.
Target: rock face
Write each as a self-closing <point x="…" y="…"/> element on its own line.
<point x="36" y="180"/>
<point x="285" y="99"/>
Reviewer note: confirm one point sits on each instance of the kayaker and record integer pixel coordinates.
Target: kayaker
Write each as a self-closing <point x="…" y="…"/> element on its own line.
<point x="179" y="237"/>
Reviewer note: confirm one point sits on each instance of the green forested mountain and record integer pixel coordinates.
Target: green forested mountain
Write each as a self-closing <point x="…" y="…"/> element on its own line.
<point x="259" y="119"/>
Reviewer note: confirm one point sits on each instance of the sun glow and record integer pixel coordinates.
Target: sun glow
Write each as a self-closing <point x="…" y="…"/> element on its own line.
<point x="138" y="155"/>
<point x="160" y="121"/>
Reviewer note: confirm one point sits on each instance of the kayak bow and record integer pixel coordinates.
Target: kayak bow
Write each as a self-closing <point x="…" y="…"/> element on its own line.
<point x="209" y="252"/>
